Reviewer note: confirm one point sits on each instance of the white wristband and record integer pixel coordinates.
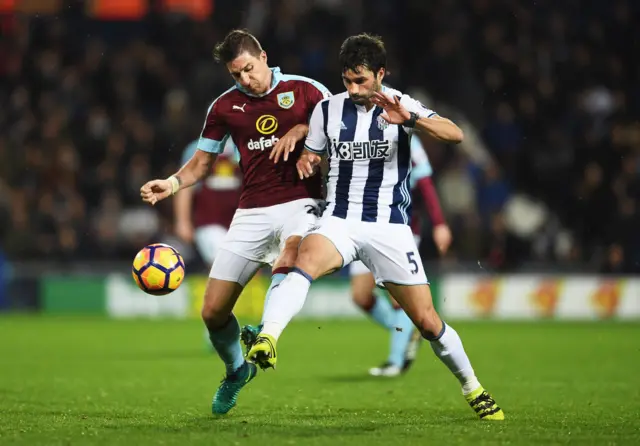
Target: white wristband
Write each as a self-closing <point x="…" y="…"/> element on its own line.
<point x="175" y="184"/>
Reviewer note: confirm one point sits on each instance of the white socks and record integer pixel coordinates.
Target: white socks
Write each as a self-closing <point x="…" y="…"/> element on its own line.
<point x="286" y="300"/>
<point x="448" y="347"/>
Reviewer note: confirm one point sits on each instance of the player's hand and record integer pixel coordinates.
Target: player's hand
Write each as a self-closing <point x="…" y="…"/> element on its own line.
<point x="307" y="164"/>
<point x="394" y="111"/>
<point x="442" y="238"/>
<point x="155" y="190"/>
<point x="184" y="230"/>
<point x="287" y="143"/>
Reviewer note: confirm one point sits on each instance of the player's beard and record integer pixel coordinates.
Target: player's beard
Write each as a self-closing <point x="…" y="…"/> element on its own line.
<point x="366" y="99"/>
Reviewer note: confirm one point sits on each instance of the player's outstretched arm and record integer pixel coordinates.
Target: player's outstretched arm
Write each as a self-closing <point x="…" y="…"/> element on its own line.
<point x="287" y="143"/>
<point x="438" y="127"/>
<point x="193" y="171"/>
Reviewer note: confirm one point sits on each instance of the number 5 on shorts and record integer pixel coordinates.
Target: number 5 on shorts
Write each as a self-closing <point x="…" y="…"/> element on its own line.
<point x="412" y="262"/>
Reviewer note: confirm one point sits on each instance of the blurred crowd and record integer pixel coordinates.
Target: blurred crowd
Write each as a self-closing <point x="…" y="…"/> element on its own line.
<point x="548" y="94"/>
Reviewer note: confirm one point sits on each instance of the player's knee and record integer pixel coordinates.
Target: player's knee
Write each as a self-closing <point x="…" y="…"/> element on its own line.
<point x="428" y="322"/>
<point x="213" y="316"/>
<point x="218" y="302"/>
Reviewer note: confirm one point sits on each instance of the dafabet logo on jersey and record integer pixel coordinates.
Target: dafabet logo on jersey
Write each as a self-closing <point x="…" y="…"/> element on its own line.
<point x="266" y="125"/>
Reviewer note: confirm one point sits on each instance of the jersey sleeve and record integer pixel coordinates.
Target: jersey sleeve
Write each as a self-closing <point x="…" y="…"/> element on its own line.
<point x="317" y="138"/>
<point x="214" y="133"/>
<point x="416" y="106"/>
<point x="421" y="165"/>
<point x="189" y="151"/>
<point x="316" y="92"/>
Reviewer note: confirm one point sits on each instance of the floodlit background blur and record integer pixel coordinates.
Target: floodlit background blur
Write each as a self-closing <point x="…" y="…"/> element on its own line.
<point x="99" y="96"/>
<point x="543" y="197"/>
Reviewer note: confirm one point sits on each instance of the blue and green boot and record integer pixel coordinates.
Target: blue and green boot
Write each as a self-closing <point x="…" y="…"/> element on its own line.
<point x="227" y="394"/>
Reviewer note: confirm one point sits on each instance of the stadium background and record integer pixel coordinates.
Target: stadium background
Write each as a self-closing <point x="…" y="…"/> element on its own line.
<point x="543" y="197"/>
<point x="98" y="97"/>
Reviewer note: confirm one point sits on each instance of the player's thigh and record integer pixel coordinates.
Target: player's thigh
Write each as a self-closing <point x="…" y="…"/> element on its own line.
<point x="251" y="234"/>
<point x="362" y="286"/>
<point x="229" y="275"/>
<point x="208" y="240"/>
<point x="327" y="248"/>
<point x="293" y="221"/>
<point x="318" y="256"/>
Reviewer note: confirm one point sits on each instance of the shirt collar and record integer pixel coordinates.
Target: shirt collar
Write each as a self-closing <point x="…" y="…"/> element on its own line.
<point x="275" y="79"/>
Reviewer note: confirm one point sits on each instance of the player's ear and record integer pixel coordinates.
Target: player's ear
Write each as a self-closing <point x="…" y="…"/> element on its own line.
<point x="263" y="56"/>
<point x="380" y="74"/>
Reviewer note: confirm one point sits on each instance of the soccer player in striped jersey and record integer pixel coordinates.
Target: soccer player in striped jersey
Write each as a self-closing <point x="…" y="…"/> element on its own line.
<point x="404" y="338"/>
<point x="365" y="134"/>
<point x="265" y="109"/>
<point x="385" y="310"/>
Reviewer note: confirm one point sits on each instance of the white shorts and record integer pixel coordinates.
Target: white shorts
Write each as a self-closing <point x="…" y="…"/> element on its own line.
<point x="388" y="250"/>
<point x="357" y="268"/>
<point x="258" y="235"/>
<point x="208" y="240"/>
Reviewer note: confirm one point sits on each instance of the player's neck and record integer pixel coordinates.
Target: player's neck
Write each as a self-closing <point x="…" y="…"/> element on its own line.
<point x="269" y="80"/>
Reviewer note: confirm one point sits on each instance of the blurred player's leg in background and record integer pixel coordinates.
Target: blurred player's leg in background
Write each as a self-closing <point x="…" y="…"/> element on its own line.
<point x="208" y="240"/>
<point x="446" y="344"/>
<point x="386" y="312"/>
<point x="364" y="296"/>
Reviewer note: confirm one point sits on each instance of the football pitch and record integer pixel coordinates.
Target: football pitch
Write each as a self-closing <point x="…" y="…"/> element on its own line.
<point x="74" y="380"/>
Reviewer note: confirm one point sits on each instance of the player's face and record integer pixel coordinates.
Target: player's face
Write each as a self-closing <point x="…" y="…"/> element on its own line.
<point x="251" y="72"/>
<point x="362" y="84"/>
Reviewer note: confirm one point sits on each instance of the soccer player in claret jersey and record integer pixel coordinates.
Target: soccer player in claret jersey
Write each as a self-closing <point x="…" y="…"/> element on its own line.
<point x="365" y="134"/>
<point x="263" y="110"/>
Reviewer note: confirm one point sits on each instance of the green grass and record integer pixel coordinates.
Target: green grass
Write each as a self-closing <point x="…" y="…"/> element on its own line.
<point x="95" y="381"/>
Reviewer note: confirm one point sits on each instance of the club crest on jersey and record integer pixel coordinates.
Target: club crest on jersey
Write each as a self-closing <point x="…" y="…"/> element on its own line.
<point x="286" y="100"/>
<point x="382" y="124"/>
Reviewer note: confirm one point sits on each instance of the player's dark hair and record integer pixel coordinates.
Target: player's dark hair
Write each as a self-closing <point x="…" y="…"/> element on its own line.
<point x="234" y="44"/>
<point x="363" y="50"/>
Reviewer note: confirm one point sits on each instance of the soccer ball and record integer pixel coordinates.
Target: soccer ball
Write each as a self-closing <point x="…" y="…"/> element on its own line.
<point x="158" y="269"/>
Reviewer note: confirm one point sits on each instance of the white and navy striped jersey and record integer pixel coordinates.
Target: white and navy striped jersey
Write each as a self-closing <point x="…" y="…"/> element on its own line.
<point x="369" y="159"/>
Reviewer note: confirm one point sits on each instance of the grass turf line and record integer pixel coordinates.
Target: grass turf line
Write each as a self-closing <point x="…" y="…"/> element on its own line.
<point x="97" y="381"/>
